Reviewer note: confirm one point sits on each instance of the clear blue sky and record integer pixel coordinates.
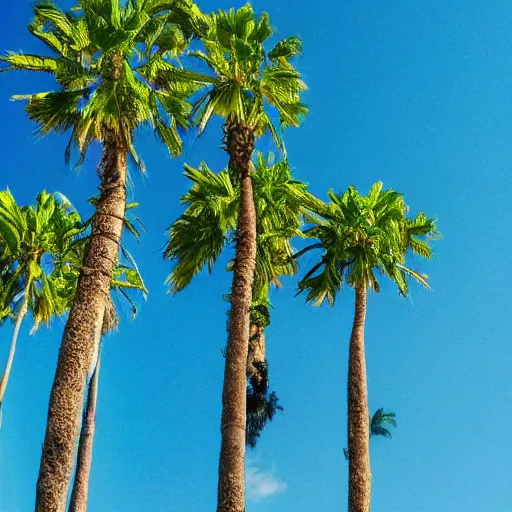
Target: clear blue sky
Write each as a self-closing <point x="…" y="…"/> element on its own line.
<point x="414" y="93"/>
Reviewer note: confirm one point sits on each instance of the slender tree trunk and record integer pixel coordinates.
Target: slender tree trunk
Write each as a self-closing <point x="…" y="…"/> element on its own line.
<point x="80" y="491"/>
<point x="231" y="489"/>
<point x="83" y="331"/>
<point x="359" y="479"/>
<point x="7" y="372"/>
<point x="256" y="353"/>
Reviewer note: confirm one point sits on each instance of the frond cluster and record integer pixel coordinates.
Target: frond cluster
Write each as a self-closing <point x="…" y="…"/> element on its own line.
<point x="117" y="68"/>
<point x="361" y="237"/>
<point x="261" y="406"/>
<point x="379" y="422"/>
<point x="248" y="78"/>
<point x="41" y="252"/>
<point x="37" y="244"/>
<point x="198" y="236"/>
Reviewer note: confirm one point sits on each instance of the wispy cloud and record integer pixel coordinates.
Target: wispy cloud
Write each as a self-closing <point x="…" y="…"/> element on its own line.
<point x="261" y="485"/>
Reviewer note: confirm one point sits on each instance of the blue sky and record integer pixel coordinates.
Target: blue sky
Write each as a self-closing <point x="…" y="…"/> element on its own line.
<point x="416" y="94"/>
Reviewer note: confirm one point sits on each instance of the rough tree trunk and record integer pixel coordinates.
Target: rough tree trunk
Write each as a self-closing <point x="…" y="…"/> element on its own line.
<point x="82" y="332"/>
<point x="80" y="491"/>
<point x="231" y="489"/>
<point x="359" y="484"/>
<point x="7" y="372"/>
<point x="256" y="353"/>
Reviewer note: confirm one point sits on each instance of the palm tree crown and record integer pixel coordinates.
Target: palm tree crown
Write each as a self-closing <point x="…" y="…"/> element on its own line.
<point x="199" y="235"/>
<point x="208" y="225"/>
<point x="360" y="235"/>
<point x="247" y="77"/>
<point x="38" y="244"/>
<point x="113" y="62"/>
<point x="379" y="421"/>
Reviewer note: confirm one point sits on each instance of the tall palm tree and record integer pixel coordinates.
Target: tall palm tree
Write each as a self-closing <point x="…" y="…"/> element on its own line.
<point x="125" y="280"/>
<point x="247" y="81"/>
<point x="115" y="65"/>
<point x="360" y="236"/>
<point x="208" y="226"/>
<point x="36" y="244"/>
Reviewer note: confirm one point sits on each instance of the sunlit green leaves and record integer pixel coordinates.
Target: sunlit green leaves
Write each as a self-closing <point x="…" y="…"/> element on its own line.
<point x="32" y="266"/>
<point x="247" y="81"/>
<point x="112" y="60"/>
<point x="54" y="111"/>
<point x="361" y="237"/>
<point x="198" y="236"/>
<point x="286" y="49"/>
<point x="29" y="62"/>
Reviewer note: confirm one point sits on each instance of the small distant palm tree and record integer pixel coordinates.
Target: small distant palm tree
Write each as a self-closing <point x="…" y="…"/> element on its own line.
<point x="360" y="236"/>
<point x="377" y="425"/>
<point x="115" y="64"/>
<point x="378" y="422"/>
<point x="36" y="244"/>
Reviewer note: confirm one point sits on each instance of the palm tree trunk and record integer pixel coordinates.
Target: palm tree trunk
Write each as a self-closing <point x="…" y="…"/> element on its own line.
<point x="256" y="353"/>
<point x="231" y="489"/>
<point x="83" y="331"/>
<point x="359" y="480"/>
<point x="7" y="372"/>
<point x="80" y="491"/>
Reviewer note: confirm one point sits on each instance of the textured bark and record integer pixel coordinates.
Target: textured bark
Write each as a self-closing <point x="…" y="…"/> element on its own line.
<point x="359" y="484"/>
<point x="82" y="332"/>
<point x="256" y="353"/>
<point x="8" y="366"/>
<point x="239" y="141"/>
<point x="80" y="491"/>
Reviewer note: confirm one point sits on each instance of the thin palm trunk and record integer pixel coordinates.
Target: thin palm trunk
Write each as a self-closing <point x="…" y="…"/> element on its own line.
<point x="256" y="353"/>
<point x="7" y="372"/>
<point x="359" y="485"/>
<point x="83" y="331"/>
<point x="231" y="489"/>
<point x="80" y="491"/>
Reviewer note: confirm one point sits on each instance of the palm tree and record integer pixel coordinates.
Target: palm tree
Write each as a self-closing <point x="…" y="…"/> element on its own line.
<point x="378" y="422"/>
<point x="378" y="426"/>
<point x="247" y="80"/>
<point x="125" y="279"/>
<point x="114" y="62"/>
<point x="36" y="244"/>
<point x="208" y="225"/>
<point x="360" y="235"/>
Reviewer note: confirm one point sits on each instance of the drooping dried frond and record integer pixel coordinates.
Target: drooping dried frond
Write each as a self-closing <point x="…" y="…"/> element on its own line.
<point x="261" y="406"/>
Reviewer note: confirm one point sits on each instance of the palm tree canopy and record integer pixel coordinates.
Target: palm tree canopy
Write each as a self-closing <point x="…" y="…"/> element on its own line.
<point x="114" y="62"/>
<point x="361" y="235"/>
<point x="37" y="244"/>
<point x="379" y="421"/>
<point x="247" y="77"/>
<point x="42" y="249"/>
<point x="208" y="224"/>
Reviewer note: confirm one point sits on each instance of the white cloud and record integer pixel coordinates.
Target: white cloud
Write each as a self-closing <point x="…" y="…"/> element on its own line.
<point x="262" y="485"/>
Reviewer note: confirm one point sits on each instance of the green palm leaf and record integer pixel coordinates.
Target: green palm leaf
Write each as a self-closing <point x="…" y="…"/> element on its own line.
<point x="360" y="236"/>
